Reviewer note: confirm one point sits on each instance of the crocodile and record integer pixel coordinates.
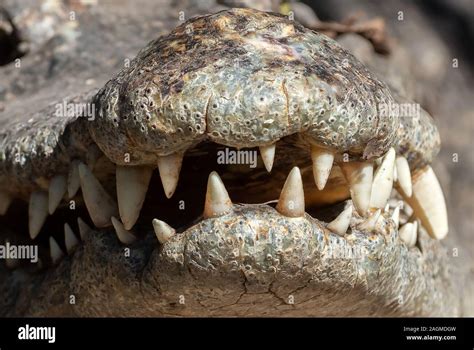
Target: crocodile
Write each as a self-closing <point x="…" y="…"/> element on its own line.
<point x="134" y="215"/>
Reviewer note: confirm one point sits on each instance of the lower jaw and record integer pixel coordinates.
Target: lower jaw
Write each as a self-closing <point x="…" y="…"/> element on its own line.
<point x="250" y="262"/>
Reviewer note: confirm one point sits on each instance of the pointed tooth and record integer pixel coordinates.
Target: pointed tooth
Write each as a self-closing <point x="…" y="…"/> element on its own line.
<point x="98" y="202"/>
<point x="268" y="155"/>
<point x="359" y="176"/>
<point x="84" y="229"/>
<point x="383" y="181"/>
<point x="169" y="167"/>
<point x="5" y="201"/>
<point x="396" y="216"/>
<point x="55" y="251"/>
<point x="132" y="185"/>
<point x="37" y="212"/>
<point x="163" y="231"/>
<point x="57" y="190"/>
<point x="404" y="176"/>
<point x="428" y="204"/>
<point x="124" y="236"/>
<point x="70" y="238"/>
<point x="291" y="201"/>
<point x="395" y="172"/>
<point x="217" y="199"/>
<point x="370" y="223"/>
<point x="340" y="224"/>
<point x="322" y="165"/>
<point x="408" y="233"/>
<point x="73" y="180"/>
<point x="387" y="208"/>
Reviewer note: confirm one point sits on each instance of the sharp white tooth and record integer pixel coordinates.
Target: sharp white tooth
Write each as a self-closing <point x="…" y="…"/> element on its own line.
<point x="37" y="212"/>
<point x="383" y="181"/>
<point x="387" y="208"/>
<point x="98" y="202"/>
<point x="84" y="229"/>
<point x="268" y="155"/>
<point x="70" y="238"/>
<point x="370" y="223"/>
<point x="217" y="199"/>
<point x="163" y="231"/>
<point x="322" y="165"/>
<point x="408" y="233"/>
<point x="340" y="224"/>
<point x="132" y="185"/>
<point x="291" y="201"/>
<point x="428" y="204"/>
<point x="396" y="216"/>
<point x="124" y="236"/>
<point x="57" y="189"/>
<point x="169" y="167"/>
<point x="359" y="176"/>
<point x="73" y="180"/>
<point x="404" y="176"/>
<point x="395" y="172"/>
<point x="5" y="201"/>
<point x="55" y="251"/>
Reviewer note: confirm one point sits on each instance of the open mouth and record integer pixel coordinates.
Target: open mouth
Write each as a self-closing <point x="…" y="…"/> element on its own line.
<point x="258" y="160"/>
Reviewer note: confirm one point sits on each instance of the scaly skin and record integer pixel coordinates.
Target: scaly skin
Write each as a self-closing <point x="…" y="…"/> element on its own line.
<point x="252" y="261"/>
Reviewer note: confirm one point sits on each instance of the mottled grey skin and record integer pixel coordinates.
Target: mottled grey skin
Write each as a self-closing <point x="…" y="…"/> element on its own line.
<point x="252" y="261"/>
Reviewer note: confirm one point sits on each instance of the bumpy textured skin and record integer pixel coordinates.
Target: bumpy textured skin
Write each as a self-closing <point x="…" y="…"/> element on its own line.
<point x="199" y="68"/>
<point x="243" y="78"/>
<point x="250" y="262"/>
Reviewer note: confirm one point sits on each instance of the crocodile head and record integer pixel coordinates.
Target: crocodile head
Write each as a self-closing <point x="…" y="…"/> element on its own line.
<point x="240" y="165"/>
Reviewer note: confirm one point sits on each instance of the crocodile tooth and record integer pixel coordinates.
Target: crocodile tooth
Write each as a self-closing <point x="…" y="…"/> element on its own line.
<point x="340" y="224"/>
<point x="5" y="201"/>
<point x="163" y="231"/>
<point x="370" y="223"/>
<point x="57" y="190"/>
<point x="359" y="176"/>
<point x="387" y="208"/>
<point x="217" y="199"/>
<point x="84" y="229"/>
<point x="408" y="233"/>
<point x="98" y="202"/>
<point x="404" y="176"/>
<point x="73" y="180"/>
<point x="428" y="204"/>
<point x="396" y="216"/>
<point x="291" y="201"/>
<point x="169" y="167"/>
<point x="55" y="251"/>
<point x="70" y="239"/>
<point x="322" y="165"/>
<point x="383" y="181"/>
<point x="132" y="185"/>
<point x="268" y="155"/>
<point x="395" y="172"/>
<point x="124" y="236"/>
<point x="37" y="212"/>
